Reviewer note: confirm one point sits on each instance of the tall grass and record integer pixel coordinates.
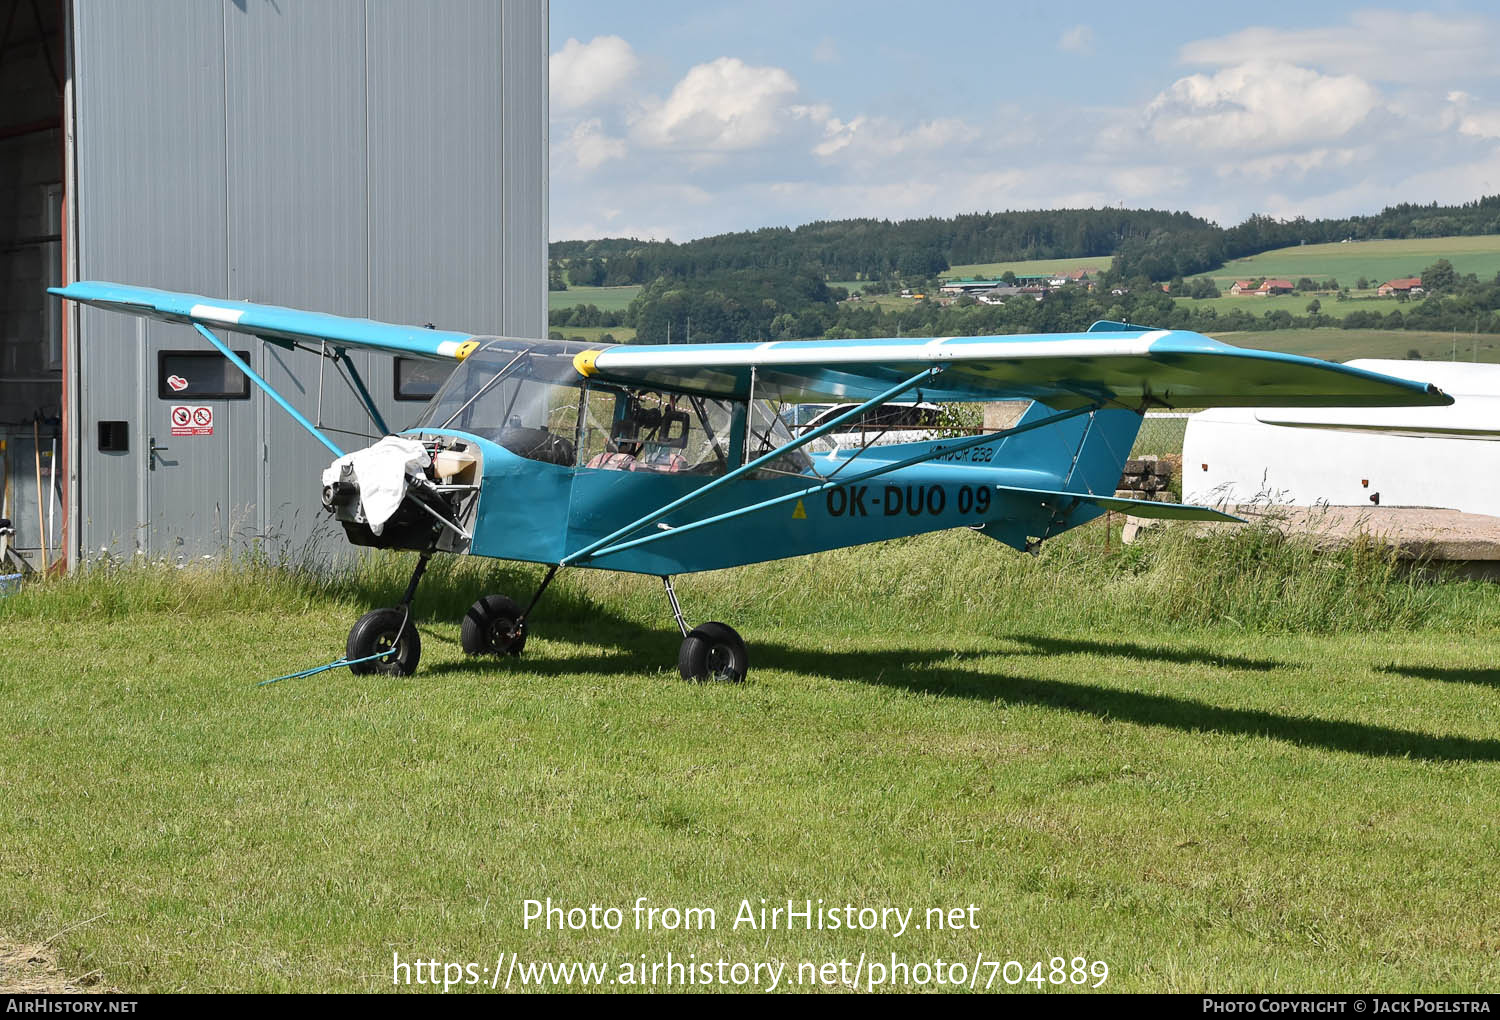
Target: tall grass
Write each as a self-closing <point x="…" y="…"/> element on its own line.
<point x="1253" y="578"/>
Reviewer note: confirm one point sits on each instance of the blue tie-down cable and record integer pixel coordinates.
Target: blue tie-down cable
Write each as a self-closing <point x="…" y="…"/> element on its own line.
<point x="341" y="663"/>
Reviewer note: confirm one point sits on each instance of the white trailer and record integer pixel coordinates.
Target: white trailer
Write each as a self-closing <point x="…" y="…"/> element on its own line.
<point x="1400" y="456"/>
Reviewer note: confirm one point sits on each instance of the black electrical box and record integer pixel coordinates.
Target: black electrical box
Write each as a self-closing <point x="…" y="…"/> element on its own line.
<point x="114" y="437"/>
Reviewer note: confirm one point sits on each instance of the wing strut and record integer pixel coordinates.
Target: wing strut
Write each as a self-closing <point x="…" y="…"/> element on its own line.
<point x="341" y="358"/>
<point x="588" y="551"/>
<point x="926" y="455"/>
<point x="269" y="390"/>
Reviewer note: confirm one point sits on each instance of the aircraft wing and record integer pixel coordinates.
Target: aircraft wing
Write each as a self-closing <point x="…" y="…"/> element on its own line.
<point x="1111" y="363"/>
<point x="272" y="323"/>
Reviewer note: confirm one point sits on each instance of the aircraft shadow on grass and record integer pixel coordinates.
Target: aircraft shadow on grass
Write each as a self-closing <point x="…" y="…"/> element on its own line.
<point x="945" y="673"/>
<point x="1481" y="676"/>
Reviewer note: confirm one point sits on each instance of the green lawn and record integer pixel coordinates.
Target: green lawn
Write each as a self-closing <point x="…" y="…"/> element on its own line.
<point x="606" y="299"/>
<point x="1376" y="260"/>
<point x="1289" y="785"/>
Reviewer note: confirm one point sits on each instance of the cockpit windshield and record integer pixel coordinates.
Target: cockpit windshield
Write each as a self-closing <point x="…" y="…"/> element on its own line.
<point x="520" y="394"/>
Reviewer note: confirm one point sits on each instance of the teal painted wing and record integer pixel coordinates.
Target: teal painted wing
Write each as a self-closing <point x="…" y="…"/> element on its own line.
<point x="270" y="322"/>
<point x="1115" y="367"/>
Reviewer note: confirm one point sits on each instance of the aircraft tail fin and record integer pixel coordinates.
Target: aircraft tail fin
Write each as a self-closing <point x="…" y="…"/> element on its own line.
<point x="1101" y="454"/>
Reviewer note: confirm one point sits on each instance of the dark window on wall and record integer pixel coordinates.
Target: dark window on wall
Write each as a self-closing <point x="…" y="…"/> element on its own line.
<point x="186" y="376"/>
<point x="419" y="379"/>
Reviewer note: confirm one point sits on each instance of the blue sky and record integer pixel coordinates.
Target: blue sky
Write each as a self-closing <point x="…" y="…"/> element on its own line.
<point x="678" y="120"/>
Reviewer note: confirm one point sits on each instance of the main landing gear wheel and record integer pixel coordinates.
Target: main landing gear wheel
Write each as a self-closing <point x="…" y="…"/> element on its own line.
<point x="713" y="652"/>
<point x="493" y="626"/>
<point x="384" y="630"/>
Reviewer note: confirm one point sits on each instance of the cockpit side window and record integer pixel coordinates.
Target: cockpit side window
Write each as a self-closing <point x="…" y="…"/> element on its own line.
<point x="769" y="431"/>
<point x="626" y="429"/>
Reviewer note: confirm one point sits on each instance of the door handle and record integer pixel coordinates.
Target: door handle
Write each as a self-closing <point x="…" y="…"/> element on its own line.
<point x="154" y="450"/>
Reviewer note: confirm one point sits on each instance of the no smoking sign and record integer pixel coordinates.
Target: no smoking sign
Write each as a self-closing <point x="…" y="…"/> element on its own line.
<point x="192" y="420"/>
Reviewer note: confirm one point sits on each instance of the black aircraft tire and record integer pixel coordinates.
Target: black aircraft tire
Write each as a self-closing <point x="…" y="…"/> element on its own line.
<point x="376" y="632"/>
<point x="713" y="652"/>
<point x="492" y="626"/>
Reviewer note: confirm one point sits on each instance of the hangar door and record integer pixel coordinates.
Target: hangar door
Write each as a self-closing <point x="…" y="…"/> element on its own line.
<point x="170" y="441"/>
<point x="199" y="450"/>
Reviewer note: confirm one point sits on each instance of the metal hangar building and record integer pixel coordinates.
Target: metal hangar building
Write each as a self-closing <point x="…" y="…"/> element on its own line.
<point x="363" y="157"/>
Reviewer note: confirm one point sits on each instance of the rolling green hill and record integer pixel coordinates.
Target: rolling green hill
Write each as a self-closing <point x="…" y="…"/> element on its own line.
<point x="1376" y="260"/>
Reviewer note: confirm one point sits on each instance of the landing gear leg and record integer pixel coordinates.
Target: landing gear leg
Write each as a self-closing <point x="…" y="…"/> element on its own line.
<point x="710" y="652"/>
<point x="666" y="579"/>
<point x="386" y="639"/>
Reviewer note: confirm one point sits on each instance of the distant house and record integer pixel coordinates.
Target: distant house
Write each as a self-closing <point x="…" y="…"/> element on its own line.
<point x="1274" y="287"/>
<point x="1243" y="287"/>
<point x="1408" y="285"/>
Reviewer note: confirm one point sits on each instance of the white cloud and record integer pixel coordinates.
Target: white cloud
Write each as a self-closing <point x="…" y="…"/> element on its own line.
<point x="1462" y="114"/>
<point x="827" y="52"/>
<point x="1293" y="164"/>
<point x="723" y="105"/>
<point x="1259" y="106"/>
<point x="581" y="74"/>
<point x="1379" y="45"/>
<point x="588" y="147"/>
<point x="1078" y="39"/>
<point x="880" y="137"/>
<point x="1483" y="124"/>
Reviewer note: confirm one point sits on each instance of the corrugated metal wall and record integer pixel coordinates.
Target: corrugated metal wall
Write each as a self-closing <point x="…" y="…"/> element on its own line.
<point x="362" y="157"/>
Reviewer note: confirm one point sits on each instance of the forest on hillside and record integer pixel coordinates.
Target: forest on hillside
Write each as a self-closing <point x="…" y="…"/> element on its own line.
<point x="775" y="282"/>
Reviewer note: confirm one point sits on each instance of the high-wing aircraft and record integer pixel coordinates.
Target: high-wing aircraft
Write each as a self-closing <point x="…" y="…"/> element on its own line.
<point x="672" y="459"/>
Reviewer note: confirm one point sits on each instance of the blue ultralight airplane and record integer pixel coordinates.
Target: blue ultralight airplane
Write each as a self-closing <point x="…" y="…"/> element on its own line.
<point x="669" y="460"/>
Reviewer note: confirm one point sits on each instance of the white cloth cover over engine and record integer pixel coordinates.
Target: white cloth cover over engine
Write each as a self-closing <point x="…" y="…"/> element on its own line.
<point x="381" y="471"/>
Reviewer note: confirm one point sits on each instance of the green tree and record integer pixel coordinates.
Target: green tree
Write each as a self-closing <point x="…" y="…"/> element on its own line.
<point x="1439" y="278"/>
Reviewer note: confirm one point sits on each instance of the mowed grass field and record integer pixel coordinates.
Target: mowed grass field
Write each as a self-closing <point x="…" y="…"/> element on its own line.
<point x="1377" y="261"/>
<point x="1296" y="304"/>
<point x="596" y="334"/>
<point x="1332" y="344"/>
<point x="1208" y="762"/>
<point x="606" y="299"/>
<point x="990" y="270"/>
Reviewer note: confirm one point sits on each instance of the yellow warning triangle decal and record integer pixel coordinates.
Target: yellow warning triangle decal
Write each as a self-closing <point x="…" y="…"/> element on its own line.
<point x="799" y="514"/>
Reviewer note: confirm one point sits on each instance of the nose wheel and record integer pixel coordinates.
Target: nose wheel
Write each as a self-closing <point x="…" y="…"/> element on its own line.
<point x="385" y="641"/>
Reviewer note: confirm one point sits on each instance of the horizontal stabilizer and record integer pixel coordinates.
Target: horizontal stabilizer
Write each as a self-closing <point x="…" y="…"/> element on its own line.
<point x="1136" y="507"/>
